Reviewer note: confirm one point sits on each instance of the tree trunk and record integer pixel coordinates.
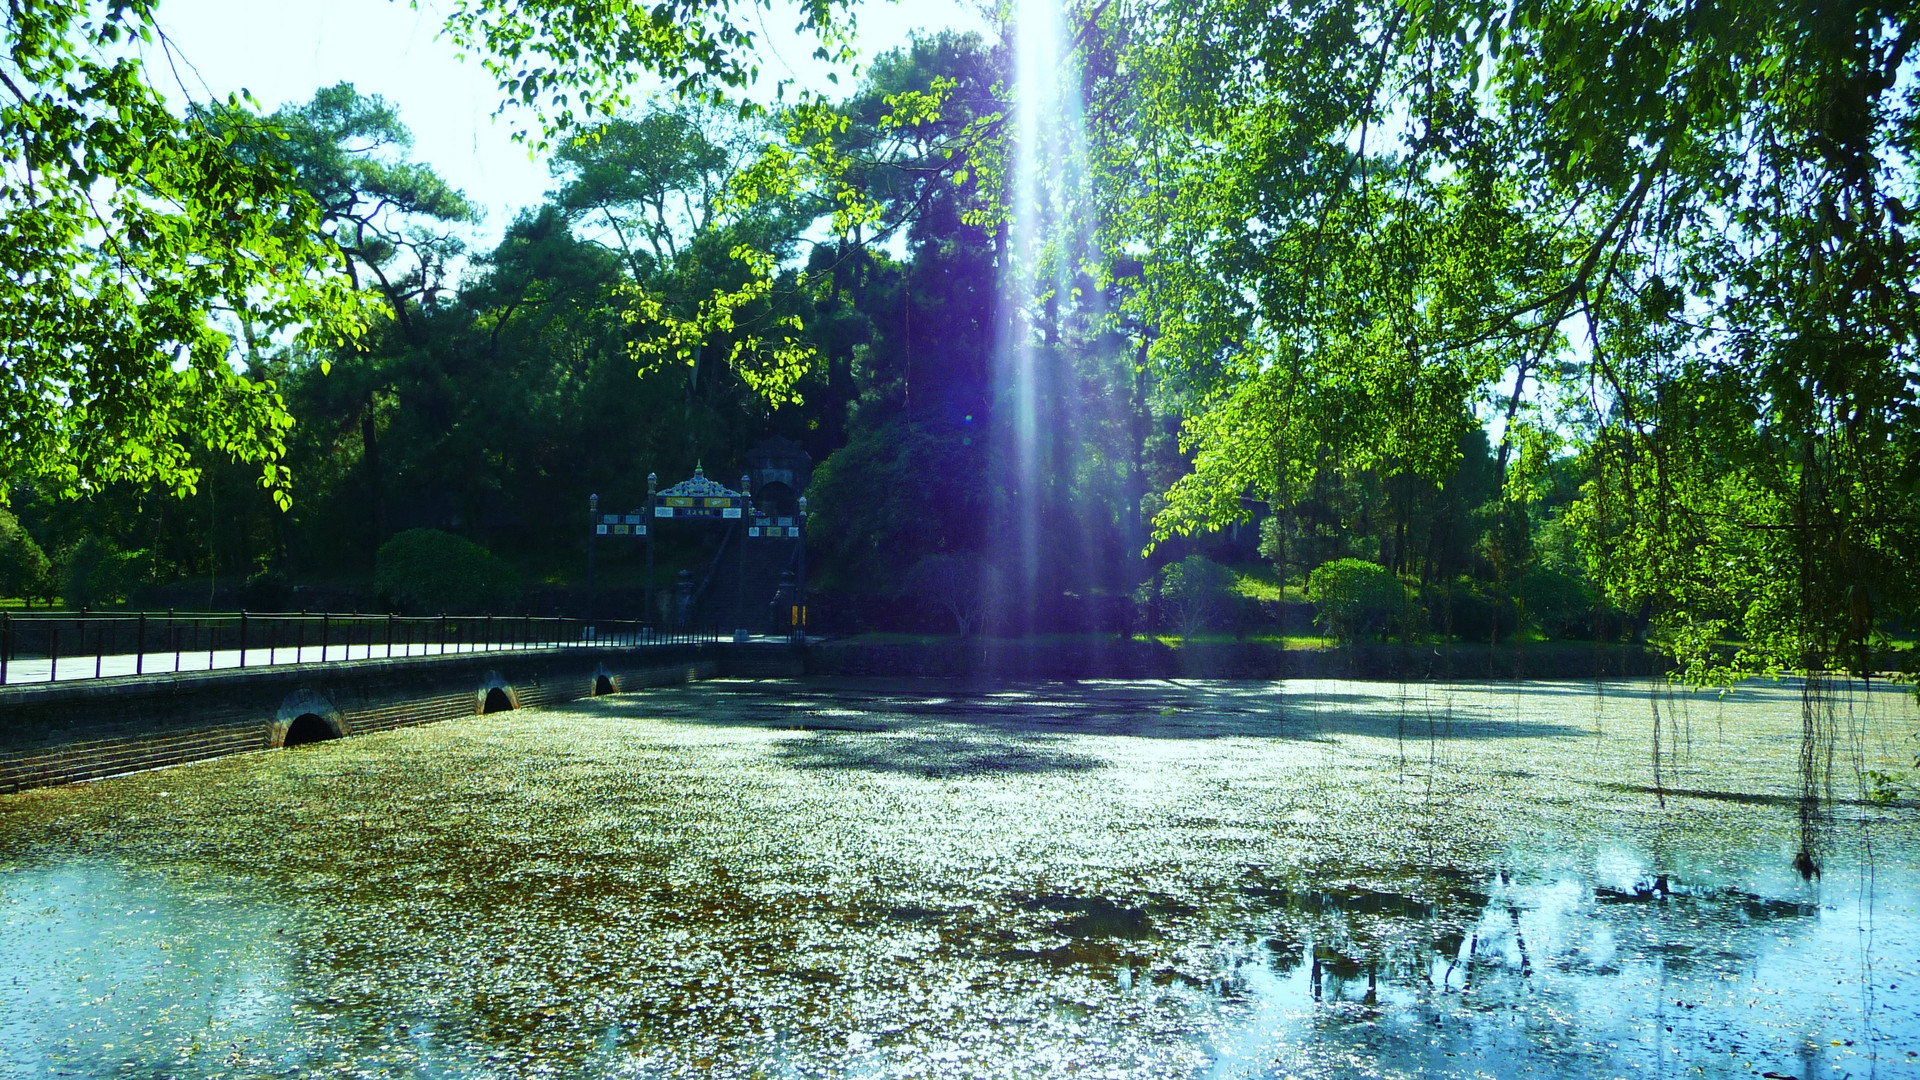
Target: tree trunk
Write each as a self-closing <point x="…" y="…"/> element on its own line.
<point x="370" y="456"/>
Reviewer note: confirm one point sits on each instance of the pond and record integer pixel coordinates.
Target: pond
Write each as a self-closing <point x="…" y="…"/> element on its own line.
<point x="886" y="878"/>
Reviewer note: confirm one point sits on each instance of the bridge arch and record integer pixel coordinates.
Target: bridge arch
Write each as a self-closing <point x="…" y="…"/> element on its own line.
<point x="308" y="728"/>
<point x="494" y="695"/>
<point x="604" y="681"/>
<point x="305" y="717"/>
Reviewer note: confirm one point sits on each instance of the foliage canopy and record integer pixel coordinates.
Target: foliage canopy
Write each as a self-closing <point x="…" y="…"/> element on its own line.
<point x="1659" y="252"/>
<point x="1671" y="237"/>
<point x="128" y="234"/>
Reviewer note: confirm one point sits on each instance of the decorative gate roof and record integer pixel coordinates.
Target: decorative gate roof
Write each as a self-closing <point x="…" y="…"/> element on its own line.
<point x="699" y="487"/>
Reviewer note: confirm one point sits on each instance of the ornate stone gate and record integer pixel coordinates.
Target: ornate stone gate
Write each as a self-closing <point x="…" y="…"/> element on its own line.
<point x="749" y="534"/>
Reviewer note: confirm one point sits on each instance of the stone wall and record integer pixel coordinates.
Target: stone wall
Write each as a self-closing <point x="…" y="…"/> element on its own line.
<point x="1111" y="658"/>
<point x="64" y="732"/>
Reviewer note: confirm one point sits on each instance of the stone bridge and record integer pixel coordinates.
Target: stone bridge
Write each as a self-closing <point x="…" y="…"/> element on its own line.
<point x="64" y="732"/>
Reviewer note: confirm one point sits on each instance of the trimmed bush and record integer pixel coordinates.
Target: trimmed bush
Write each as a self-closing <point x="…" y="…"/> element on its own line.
<point x="426" y="572"/>
<point x="1353" y="597"/>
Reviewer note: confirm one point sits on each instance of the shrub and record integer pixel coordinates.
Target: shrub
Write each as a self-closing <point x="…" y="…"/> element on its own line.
<point x="1352" y="597"/>
<point x="268" y="590"/>
<point x="427" y="571"/>
<point x="25" y="571"/>
<point x="952" y="583"/>
<point x="1470" y="610"/>
<point x="1194" y="593"/>
<point x="1557" y="603"/>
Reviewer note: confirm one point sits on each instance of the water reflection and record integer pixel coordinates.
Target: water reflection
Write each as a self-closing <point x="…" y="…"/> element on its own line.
<point x="110" y="970"/>
<point x="118" y="971"/>
<point x="1580" y="971"/>
<point x="1131" y="880"/>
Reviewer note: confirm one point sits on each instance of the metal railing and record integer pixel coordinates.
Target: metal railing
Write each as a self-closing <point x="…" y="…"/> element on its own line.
<point x="55" y="647"/>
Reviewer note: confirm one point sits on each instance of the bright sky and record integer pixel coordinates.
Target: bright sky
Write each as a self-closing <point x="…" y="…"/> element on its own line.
<point x="283" y="50"/>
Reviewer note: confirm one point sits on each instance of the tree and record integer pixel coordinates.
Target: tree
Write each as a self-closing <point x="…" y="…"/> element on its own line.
<point x="1360" y="221"/>
<point x="98" y="573"/>
<point x="391" y="220"/>
<point x="925" y="120"/>
<point x="387" y="215"/>
<point x="1193" y="594"/>
<point x="954" y="584"/>
<point x="708" y="284"/>
<point x="659" y="178"/>
<point x="126" y="234"/>
<point x="574" y="67"/>
<point x="894" y="495"/>
<point x="1556" y="602"/>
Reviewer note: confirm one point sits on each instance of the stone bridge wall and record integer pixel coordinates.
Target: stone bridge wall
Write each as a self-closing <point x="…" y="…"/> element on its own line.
<point x="66" y="732"/>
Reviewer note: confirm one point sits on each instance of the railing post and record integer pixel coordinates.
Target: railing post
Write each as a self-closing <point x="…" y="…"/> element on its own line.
<point x="326" y="624"/>
<point x="139" y="648"/>
<point x="6" y="643"/>
<point x="173" y="639"/>
<point x="593" y="529"/>
<point x="53" y="651"/>
<point x="389" y="635"/>
<point x="80" y="629"/>
<point x="243" y="639"/>
<point x="486" y="641"/>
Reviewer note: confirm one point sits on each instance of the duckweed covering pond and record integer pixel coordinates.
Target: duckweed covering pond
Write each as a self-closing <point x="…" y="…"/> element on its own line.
<point x="869" y="879"/>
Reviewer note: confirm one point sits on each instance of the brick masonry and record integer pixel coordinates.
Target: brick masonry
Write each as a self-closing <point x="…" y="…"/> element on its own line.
<point x="68" y="732"/>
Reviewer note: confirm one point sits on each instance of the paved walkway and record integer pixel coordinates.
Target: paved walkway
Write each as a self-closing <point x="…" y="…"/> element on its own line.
<point x="24" y="671"/>
<point x="21" y="671"/>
